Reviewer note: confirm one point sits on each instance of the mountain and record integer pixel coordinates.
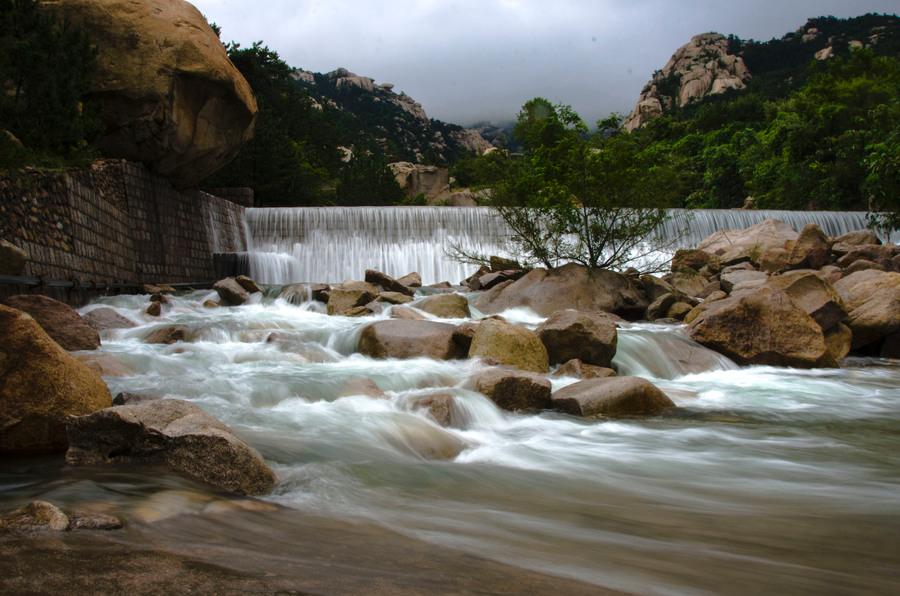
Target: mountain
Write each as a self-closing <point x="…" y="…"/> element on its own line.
<point x="711" y="64"/>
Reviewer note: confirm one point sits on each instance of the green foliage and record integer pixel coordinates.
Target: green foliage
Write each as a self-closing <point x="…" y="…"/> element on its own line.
<point x="45" y="70"/>
<point x="368" y="181"/>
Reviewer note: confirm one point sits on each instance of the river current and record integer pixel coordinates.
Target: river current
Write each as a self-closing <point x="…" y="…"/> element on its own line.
<point x="764" y="480"/>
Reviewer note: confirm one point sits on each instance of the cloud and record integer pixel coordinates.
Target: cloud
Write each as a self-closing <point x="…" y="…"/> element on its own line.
<point x="470" y="60"/>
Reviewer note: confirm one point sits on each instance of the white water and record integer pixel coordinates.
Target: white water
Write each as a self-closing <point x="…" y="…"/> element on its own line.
<point x="332" y="244"/>
<point x="765" y="481"/>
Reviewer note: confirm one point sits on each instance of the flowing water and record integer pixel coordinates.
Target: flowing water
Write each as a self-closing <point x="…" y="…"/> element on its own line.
<point x="765" y="480"/>
<point x="332" y="244"/>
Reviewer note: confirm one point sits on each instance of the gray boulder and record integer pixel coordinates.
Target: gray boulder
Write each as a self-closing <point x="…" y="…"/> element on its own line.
<point x="612" y="397"/>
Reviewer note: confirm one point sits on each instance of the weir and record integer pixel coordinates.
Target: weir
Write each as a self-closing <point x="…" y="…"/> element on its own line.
<point x="333" y="244"/>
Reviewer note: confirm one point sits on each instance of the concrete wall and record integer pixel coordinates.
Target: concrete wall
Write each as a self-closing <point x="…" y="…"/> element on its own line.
<point x="116" y="222"/>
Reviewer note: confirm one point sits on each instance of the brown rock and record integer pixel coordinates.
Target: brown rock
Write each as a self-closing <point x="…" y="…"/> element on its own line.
<point x="387" y="282"/>
<point x="155" y="309"/>
<point x="569" y="286"/>
<point x="510" y="345"/>
<point x="88" y="520"/>
<point x="503" y="264"/>
<point x="446" y="306"/>
<point x="464" y="334"/>
<point x="513" y="390"/>
<point x="231" y="292"/>
<point x="132" y="399"/>
<point x="300" y="293"/>
<point x="812" y="249"/>
<point x="40" y="386"/>
<point x="862" y="265"/>
<point x="105" y="318"/>
<point x="411" y="280"/>
<point x="168" y="95"/>
<point x="248" y="284"/>
<point x="762" y="327"/>
<point x="409" y="339"/>
<point x="659" y="308"/>
<point x="612" y="397"/>
<point x="655" y="287"/>
<point x="12" y="259"/>
<point x="167" y="335"/>
<point x="171" y="432"/>
<point x="341" y="300"/>
<point x="694" y="259"/>
<point x="439" y="406"/>
<point x="735" y="246"/>
<point x="872" y="299"/>
<point x="578" y="369"/>
<point x="59" y="320"/>
<point x="104" y="364"/>
<point x="407" y="314"/>
<point x="361" y="386"/>
<point x="814" y="295"/>
<point x="394" y="298"/>
<point x="37" y="516"/>
<point x="774" y="260"/>
<point x="869" y="252"/>
<point x="679" y="310"/>
<point x="845" y="243"/>
<point x="570" y="335"/>
<point x="839" y="340"/>
<point x="742" y="280"/>
<point x="688" y="282"/>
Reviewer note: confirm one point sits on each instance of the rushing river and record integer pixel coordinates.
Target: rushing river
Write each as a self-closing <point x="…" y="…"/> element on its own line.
<point x="764" y="480"/>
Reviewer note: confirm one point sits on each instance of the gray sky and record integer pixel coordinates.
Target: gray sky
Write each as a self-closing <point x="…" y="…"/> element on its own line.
<point x="469" y="60"/>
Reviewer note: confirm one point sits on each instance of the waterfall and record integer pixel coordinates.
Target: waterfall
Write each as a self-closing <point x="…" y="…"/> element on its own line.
<point x="333" y="244"/>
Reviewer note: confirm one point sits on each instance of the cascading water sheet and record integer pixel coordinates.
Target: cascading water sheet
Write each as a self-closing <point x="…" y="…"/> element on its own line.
<point x="333" y="244"/>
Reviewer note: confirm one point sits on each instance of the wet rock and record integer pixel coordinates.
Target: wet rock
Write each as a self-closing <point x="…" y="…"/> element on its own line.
<point x="814" y="295"/>
<point x="578" y="369"/>
<point x="341" y="300"/>
<point x="166" y="92"/>
<point x="167" y="335"/>
<point x="589" y="337"/>
<point x="87" y="520"/>
<point x="210" y="304"/>
<point x="569" y="286"/>
<point x="446" y="306"/>
<point x="762" y="327"/>
<point x="358" y="311"/>
<point x="105" y="365"/>
<point x="231" y="292"/>
<point x="872" y="299"/>
<point x="839" y="340"/>
<point x="105" y="318"/>
<point x="12" y="259"/>
<point x="361" y="386"/>
<point x="406" y="313"/>
<point x="510" y="345"/>
<point x="411" y="280"/>
<point x="387" y="282"/>
<point x="812" y="249"/>
<point x="171" y="432"/>
<point x="154" y="310"/>
<point x="612" y="397"/>
<point x="248" y="284"/>
<point x="130" y="399"/>
<point x="513" y="390"/>
<point x="41" y="385"/>
<point x="37" y="516"/>
<point x="409" y="339"/>
<point x="394" y="298"/>
<point x="300" y="293"/>
<point x="735" y="246"/>
<point x="419" y="438"/>
<point x="438" y="405"/>
<point x="59" y="320"/>
<point x="238" y="506"/>
<point x="161" y="298"/>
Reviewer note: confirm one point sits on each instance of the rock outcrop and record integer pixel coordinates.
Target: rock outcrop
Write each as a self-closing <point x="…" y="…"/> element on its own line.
<point x="41" y="385"/>
<point x="416" y="179"/>
<point x="168" y="94"/>
<point x="59" y="320"/>
<point x="175" y="433"/>
<point x="700" y="68"/>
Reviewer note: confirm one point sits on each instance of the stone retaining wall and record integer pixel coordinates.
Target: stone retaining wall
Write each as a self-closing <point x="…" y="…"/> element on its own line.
<point x="116" y="222"/>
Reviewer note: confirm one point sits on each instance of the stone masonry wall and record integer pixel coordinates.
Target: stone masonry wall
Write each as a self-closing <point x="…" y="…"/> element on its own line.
<point x="116" y="222"/>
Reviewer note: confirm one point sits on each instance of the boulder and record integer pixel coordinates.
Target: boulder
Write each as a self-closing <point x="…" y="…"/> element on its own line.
<point x="872" y="299"/>
<point x="131" y="399"/>
<point x="678" y="311"/>
<point x="407" y="314"/>
<point x="570" y="286"/>
<point x="735" y="246"/>
<point x="40" y="386"/>
<point x="387" y="282"/>
<point x="502" y="343"/>
<point x="361" y="386"/>
<point x="762" y="327"/>
<point x="862" y="265"/>
<point x="578" y="369"/>
<point x="876" y="253"/>
<point x="104" y="364"/>
<point x="446" y="306"/>
<point x="812" y="249"/>
<point x="659" y="308"/>
<point x="248" y="284"/>
<point x="394" y="298"/>
<point x="439" y="406"/>
<point x="839" y="340"/>
<point x="612" y="397"/>
<point x="300" y="293"/>
<point x="409" y="339"/>
<point x="231" y="292"/>
<point x="654" y="287"/>
<point x="37" y="516"/>
<point x="167" y="335"/>
<point x="694" y="259"/>
<point x="845" y="243"/>
<point x="503" y="264"/>
<point x="688" y="282"/>
<point x="155" y="309"/>
<point x="157" y="289"/>
<point x="513" y="390"/>
<point x="341" y="301"/>
<point x="105" y="318"/>
<point x="90" y="520"/>
<point x="815" y="296"/>
<point x="166" y="92"/>
<point x="59" y="320"/>
<point x="12" y="259"/>
<point x="742" y="280"/>
<point x="774" y="260"/>
<point x="175" y="433"/>
<point x="589" y="337"/>
<point x="411" y="280"/>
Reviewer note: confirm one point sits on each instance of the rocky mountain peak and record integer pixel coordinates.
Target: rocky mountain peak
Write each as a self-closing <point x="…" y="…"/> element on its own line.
<point x="702" y="67"/>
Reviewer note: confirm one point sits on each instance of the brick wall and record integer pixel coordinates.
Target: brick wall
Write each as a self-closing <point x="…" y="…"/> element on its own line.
<point x="116" y="222"/>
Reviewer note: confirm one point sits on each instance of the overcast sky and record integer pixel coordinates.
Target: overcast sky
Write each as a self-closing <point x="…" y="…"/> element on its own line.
<point x="470" y="60"/>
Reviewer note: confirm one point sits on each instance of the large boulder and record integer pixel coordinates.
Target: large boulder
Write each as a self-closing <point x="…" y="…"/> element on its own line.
<point x="40" y="386"/>
<point x="812" y="249"/>
<point x="580" y="370"/>
<point x="502" y="343"/>
<point x="688" y="282"/>
<point x="231" y="292"/>
<point x="37" y="516"/>
<point x="875" y="253"/>
<point x="446" y="306"/>
<point x="735" y="246"/>
<point x="813" y="294"/>
<point x="387" y="282"/>
<point x="175" y="433"/>
<point x="398" y="338"/>
<point x="872" y="299"/>
<point x="168" y="94"/>
<point x="59" y="320"/>
<point x="12" y="259"/>
<point x="513" y="390"/>
<point x="762" y="327"/>
<point x="342" y="301"/>
<point x="612" y="397"/>
<point x="570" y="286"/>
<point x="106" y="318"/>
<point x="572" y="335"/>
